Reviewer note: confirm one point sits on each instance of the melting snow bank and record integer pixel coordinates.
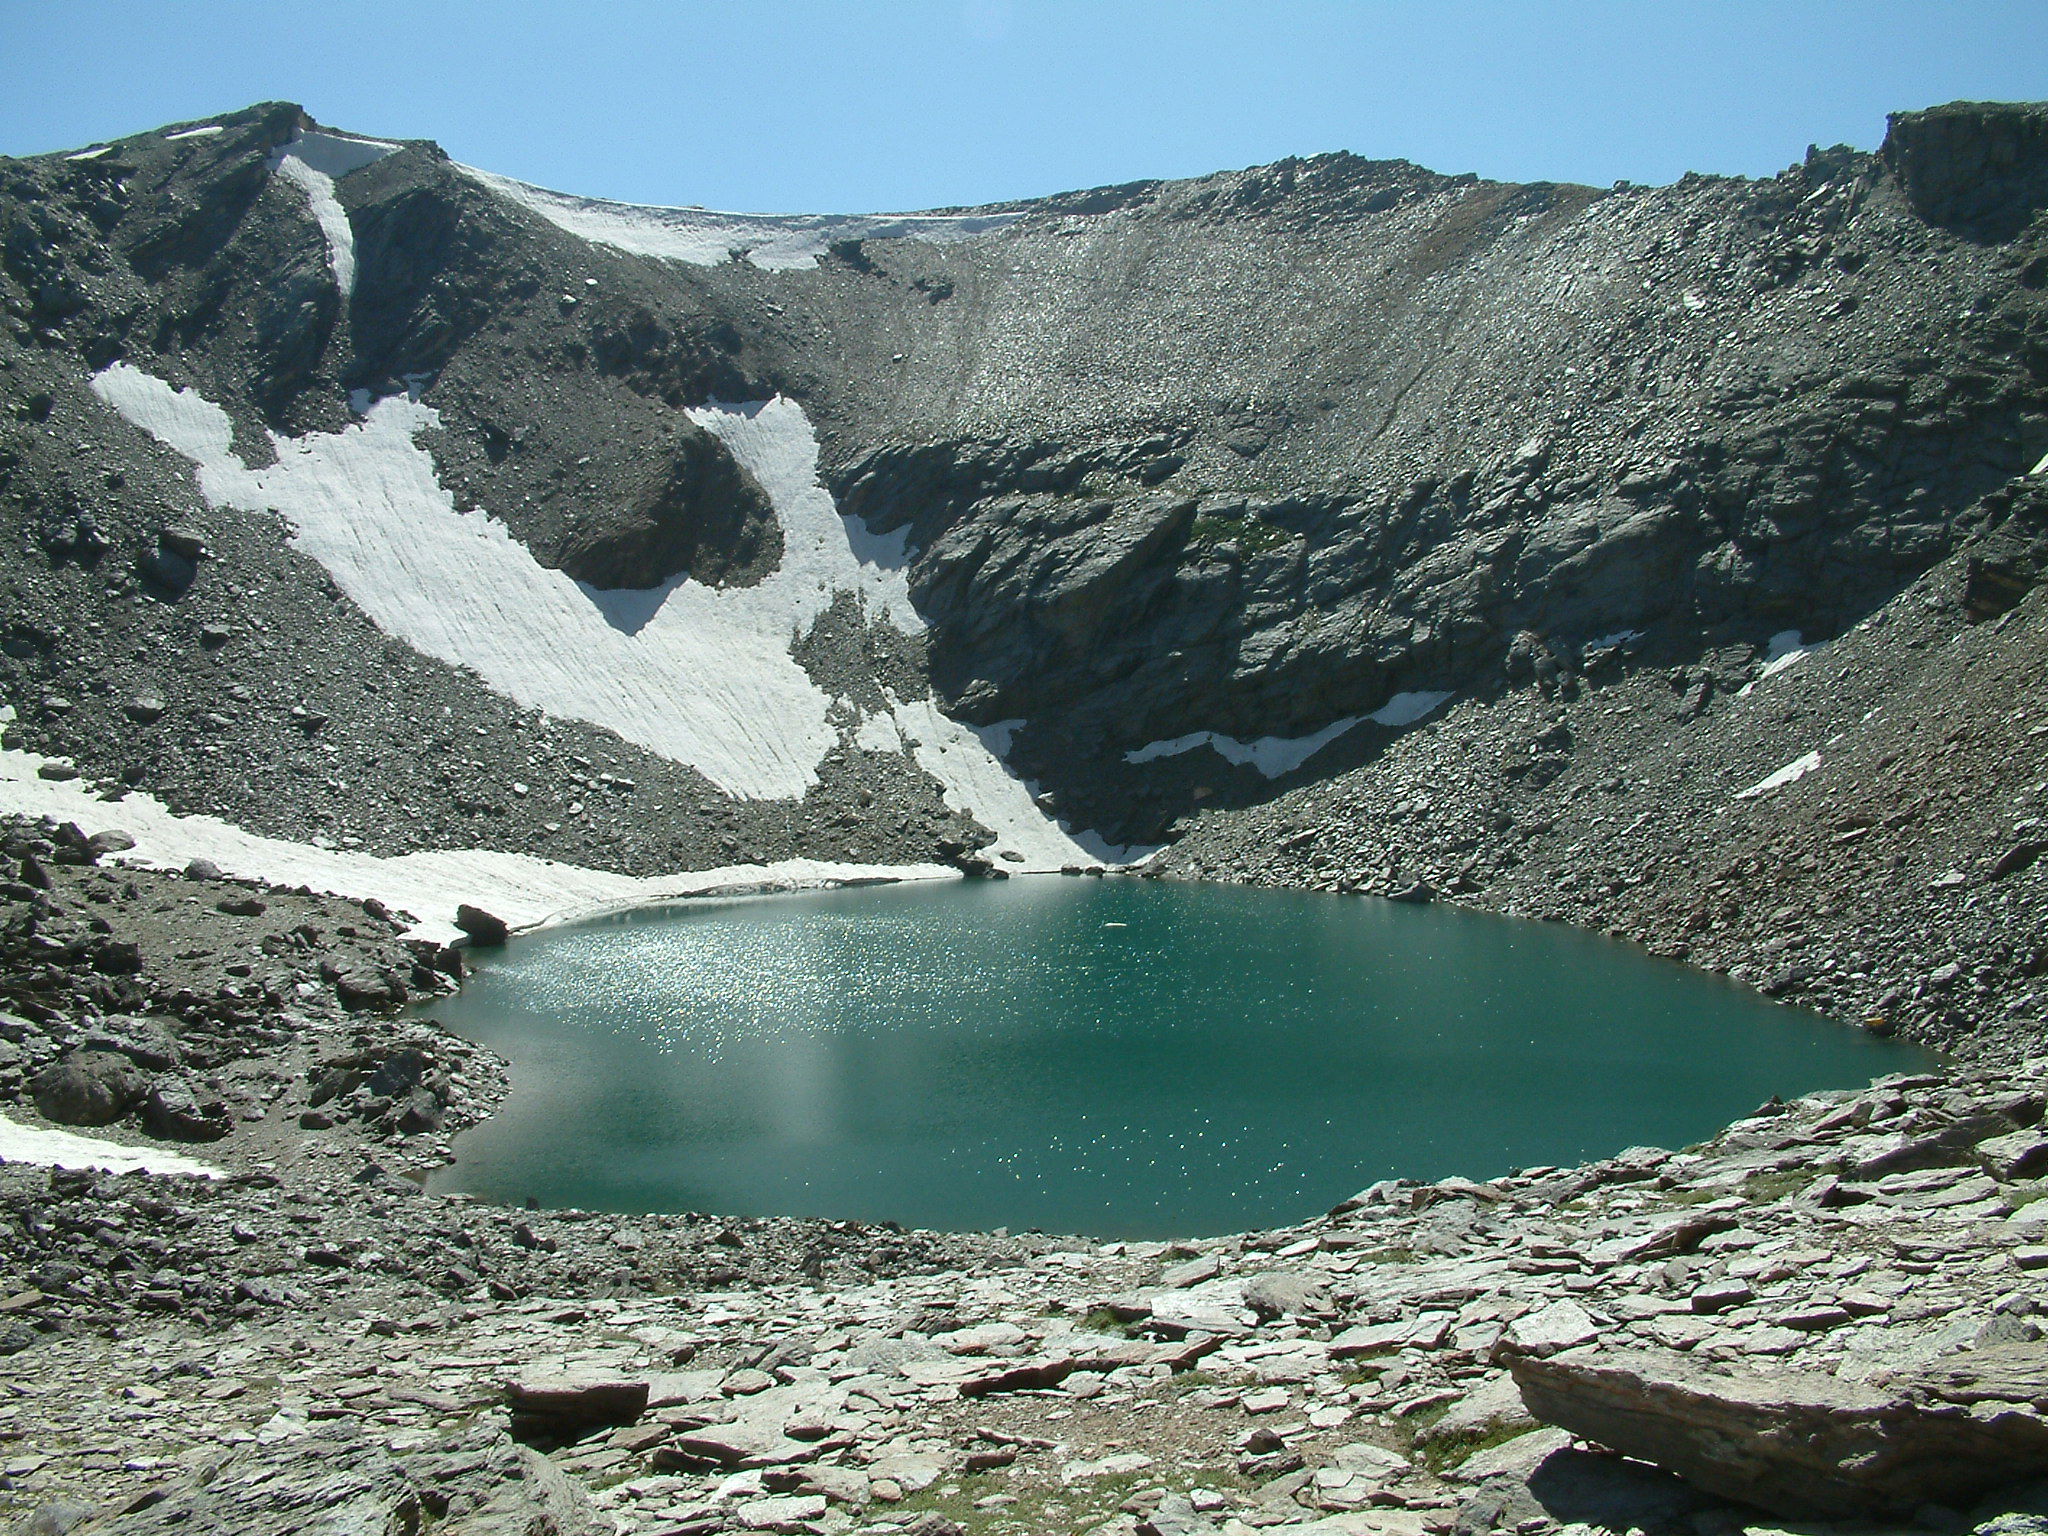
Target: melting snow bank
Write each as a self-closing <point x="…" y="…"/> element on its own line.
<point x="1277" y="755"/>
<point x="525" y="891"/>
<point x="706" y="238"/>
<point x="62" y="1149"/>
<point x="1787" y="648"/>
<point x="311" y="162"/>
<point x="706" y="679"/>
<point x="1799" y="768"/>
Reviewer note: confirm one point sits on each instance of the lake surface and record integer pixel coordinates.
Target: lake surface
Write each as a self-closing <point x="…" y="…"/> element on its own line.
<point x="1116" y="1057"/>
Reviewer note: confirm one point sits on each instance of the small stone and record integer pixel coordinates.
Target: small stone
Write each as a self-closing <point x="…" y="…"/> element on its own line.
<point x="1180" y="1276"/>
<point x="1120" y="1465"/>
<point x="1561" y="1325"/>
<point x="1812" y="1319"/>
<point x="1266" y="1400"/>
<point x="1720" y="1296"/>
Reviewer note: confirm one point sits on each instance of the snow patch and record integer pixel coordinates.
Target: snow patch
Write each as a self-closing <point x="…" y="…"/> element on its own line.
<point x="1798" y="768"/>
<point x="92" y="154"/>
<point x="62" y="1149"/>
<point x="206" y="132"/>
<point x="1274" y="756"/>
<point x="695" y="674"/>
<point x="1602" y="642"/>
<point x="337" y="154"/>
<point x="1787" y="648"/>
<point x="311" y="162"/>
<point x="707" y="238"/>
<point x="878" y="733"/>
<point x="1406" y="708"/>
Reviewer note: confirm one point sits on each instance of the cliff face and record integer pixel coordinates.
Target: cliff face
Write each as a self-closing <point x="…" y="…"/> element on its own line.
<point x="1259" y="454"/>
<point x="1256" y="453"/>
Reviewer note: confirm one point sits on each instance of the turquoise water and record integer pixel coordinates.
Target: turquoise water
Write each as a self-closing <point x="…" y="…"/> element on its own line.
<point x="1116" y="1057"/>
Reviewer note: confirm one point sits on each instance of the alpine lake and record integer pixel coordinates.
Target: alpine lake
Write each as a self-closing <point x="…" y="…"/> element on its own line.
<point x="1114" y="1057"/>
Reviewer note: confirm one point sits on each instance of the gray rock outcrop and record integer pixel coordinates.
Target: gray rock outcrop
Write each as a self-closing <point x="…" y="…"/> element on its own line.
<point x="88" y="1088"/>
<point x="1803" y="1444"/>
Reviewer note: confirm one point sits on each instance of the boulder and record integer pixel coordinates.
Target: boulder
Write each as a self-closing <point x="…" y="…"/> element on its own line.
<point x="1803" y="1444"/>
<point x="1495" y="1405"/>
<point x="2022" y="1155"/>
<point x="178" y="1110"/>
<point x="742" y="1444"/>
<point x="482" y="928"/>
<point x="363" y="989"/>
<point x="88" y="1088"/>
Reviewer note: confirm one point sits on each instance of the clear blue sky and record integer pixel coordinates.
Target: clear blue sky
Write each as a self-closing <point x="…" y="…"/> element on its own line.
<point x="862" y="105"/>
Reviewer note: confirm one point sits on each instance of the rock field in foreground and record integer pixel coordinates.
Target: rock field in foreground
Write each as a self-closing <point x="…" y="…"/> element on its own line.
<point x="1344" y="1376"/>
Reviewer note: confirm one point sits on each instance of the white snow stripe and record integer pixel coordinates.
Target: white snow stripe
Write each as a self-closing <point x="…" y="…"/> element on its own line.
<point x="1277" y="755"/>
<point x="329" y="215"/>
<point x="524" y="890"/>
<point x="311" y="162"/>
<point x="707" y="238"/>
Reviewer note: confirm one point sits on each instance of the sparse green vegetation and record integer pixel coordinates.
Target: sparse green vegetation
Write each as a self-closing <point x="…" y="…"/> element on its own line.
<point x="1252" y="535"/>
<point x="1389" y="1256"/>
<point x="1102" y="1320"/>
<point x="1448" y="1451"/>
<point x="1763" y="1188"/>
<point x="1047" y="1510"/>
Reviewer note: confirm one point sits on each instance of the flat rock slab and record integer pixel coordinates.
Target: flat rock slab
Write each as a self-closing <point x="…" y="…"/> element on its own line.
<point x="1803" y="1444"/>
<point x="570" y="1398"/>
<point x="743" y="1444"/>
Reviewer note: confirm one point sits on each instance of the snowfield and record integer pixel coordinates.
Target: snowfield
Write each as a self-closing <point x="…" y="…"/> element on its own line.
<point x="707" y="679"/>
<point x="706" y="238"/>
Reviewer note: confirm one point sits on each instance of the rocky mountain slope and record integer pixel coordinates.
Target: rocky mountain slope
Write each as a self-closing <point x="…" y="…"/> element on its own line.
<point x="1253" y="455"/>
